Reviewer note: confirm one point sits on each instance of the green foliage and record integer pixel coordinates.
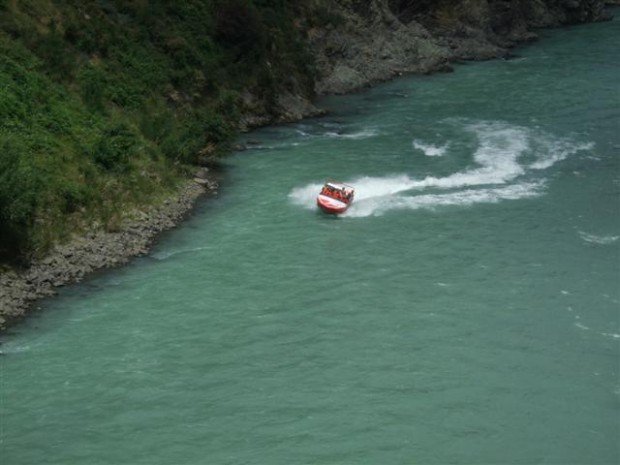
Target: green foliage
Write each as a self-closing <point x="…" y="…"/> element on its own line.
<point x="238" y="26"/>
<point x="74" y="195"/>
<point x="53" y="49"/>
<point x="156" y="120"/>
<point x="105" y="104"/>
<point x="92" y="82"/>
<point x="115" y="148"/>
<point x="19" y="196"/>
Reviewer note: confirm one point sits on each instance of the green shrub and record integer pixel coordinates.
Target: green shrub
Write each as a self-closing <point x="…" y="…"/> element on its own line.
<point x="73" y="196"/>
<point x="92" y="82"/>
<point x="156" y="121"/>
<point x="115" y="147"/>
<point x="53" y="50"/>
<point x="20" y="191"/>
<point x="238" y="25"/>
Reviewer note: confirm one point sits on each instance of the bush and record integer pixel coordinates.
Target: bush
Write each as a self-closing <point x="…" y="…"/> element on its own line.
<point x="73" y="196"/>
<point x="20" y="190"/>
<point x="115" y="147"/>
<point x="156" y="121"/>
<point x="52" y="48"/>
<point x="92" y="86"/>
<point x="238" y="25"/>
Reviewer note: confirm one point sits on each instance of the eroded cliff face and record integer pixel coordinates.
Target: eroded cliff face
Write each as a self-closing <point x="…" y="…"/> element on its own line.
<point x="371" y="44"/>
<point x="374" y="40"/>
<point x="357" y="43"/>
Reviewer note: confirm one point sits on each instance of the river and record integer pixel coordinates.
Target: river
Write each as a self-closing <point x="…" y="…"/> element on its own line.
<point x="464" y="310"/>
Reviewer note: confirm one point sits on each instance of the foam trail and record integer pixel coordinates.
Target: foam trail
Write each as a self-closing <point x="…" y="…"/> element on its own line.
<point x="163" y="255"/>
<point x="593" y="239"/>
<point x="497" y="158"/>
<point x="306" y="196"/>
<point x="430" y="150"/>
<point x="497" y="155"/>
<point x="364" y="134"/>
<point x="555" y="151"/>
<point x="464" y="198"/>
<point x="369" y="187"/>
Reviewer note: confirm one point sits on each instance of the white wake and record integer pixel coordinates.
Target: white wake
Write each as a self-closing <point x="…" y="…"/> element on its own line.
<point x="430" y="150"/>
<point x="594" y="239"/>
<point x="498" y="174"/>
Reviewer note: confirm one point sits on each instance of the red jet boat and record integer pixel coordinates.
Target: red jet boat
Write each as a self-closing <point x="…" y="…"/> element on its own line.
<point x="335" y="197"/>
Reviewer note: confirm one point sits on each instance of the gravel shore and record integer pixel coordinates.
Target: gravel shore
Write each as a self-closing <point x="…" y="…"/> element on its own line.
<point x="71" y="262"/>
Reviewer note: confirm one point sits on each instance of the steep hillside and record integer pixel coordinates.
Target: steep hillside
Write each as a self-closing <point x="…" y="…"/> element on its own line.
<point x="108" y="104"/>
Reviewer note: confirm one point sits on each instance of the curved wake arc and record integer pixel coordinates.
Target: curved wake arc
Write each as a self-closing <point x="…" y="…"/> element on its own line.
<point x="499" y="165"/>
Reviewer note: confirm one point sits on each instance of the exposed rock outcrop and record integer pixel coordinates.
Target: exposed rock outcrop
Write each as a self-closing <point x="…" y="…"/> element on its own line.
<point x="378" y="39"/>
<point x="372" y="45"/>
<point x="289" y="107"/>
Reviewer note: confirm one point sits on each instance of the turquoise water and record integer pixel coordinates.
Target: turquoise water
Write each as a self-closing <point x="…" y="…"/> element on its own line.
<point x="465" y="310"/>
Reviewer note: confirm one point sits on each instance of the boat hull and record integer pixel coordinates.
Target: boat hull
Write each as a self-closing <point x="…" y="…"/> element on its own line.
<point x="332" y="206"/>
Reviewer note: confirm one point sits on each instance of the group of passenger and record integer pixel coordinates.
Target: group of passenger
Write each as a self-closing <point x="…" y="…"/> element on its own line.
<point x="338" y="194"/>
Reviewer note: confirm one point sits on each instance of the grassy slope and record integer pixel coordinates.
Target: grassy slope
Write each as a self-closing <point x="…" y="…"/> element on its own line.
<point x="105" y="104"/>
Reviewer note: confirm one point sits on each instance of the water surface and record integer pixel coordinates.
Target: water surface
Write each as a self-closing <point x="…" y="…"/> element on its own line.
<point x="465" y="309"/>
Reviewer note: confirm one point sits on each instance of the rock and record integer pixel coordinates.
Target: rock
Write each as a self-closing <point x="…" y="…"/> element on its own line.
<point x="202" y="173"/>
<point x="293" y="107"/>
<point x="383" y="38"/>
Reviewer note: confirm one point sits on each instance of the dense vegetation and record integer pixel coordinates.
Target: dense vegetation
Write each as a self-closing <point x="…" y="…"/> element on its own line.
<point x="106" y="104"/>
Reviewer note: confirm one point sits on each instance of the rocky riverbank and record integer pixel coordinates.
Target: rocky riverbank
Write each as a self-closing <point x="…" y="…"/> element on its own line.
<point x="365" y="43"/>
<point x="99" y="249"/>
<point x="380" y="39"/>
